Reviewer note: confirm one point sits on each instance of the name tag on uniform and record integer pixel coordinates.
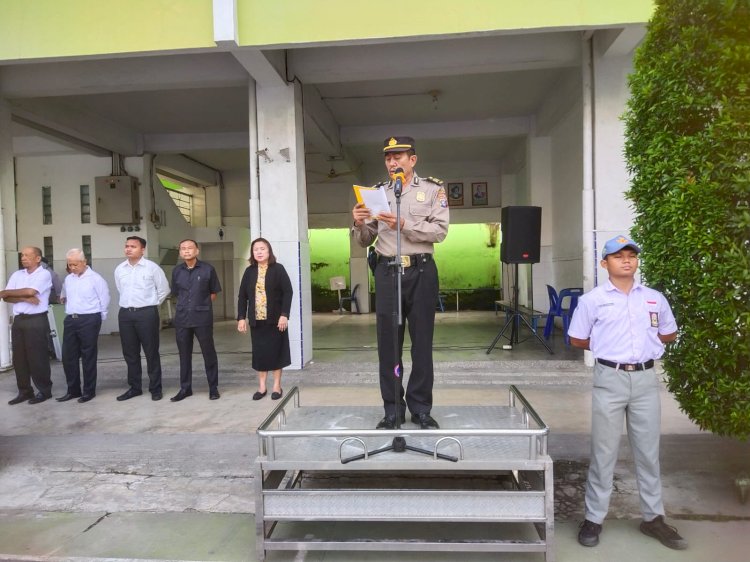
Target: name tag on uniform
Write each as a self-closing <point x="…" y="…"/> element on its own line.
<point x="654" y="319"/>
<point x="405" y="261"/>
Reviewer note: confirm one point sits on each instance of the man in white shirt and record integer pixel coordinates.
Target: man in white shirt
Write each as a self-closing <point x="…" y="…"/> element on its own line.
<point x="86" y="297"/>
<point x="28" y="289"/>
<point x="143" y="287"/>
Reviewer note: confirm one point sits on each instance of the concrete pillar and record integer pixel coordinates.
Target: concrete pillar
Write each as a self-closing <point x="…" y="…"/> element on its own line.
<point x="539" y="181"/>
<point x="283" y="202"/>
<point x="612" y="212"/>
<point x="7" y="217"/>
<point x="359" y="273"/>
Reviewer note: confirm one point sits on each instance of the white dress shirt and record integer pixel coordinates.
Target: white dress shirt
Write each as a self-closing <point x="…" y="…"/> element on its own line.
<point x="40" y="280"/>
<point x="142" y="284"/>
<point x="87" y="293"/>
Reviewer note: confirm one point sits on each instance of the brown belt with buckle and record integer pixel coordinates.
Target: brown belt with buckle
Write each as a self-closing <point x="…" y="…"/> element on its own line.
<point x="627" y="366"/>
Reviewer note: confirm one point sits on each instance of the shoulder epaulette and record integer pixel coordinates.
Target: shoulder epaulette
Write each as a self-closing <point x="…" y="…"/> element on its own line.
<point x="437" y="181"/>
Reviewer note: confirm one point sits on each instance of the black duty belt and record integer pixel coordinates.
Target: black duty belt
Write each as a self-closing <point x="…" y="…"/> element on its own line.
<point x="137" y="308"/>
<point x="627" y="366"/>
<point x="35" y="315"/>
<point x="77" y="315"/>
<point x="407" y="260"/>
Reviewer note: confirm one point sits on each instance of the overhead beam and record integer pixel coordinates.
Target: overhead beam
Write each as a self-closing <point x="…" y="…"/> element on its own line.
<point x="257" y="63"/>
<point x="187" y="142"/>
<point x="483" y="128"/>
<point x="73" y="124"/>
<point x="477" y="55"/>
<point x="321" y="128"/>
<point x="210" y="70"/>
<point x="620" y="41"/>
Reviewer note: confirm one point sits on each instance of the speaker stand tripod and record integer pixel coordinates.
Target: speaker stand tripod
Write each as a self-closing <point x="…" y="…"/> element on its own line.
<point x="514" y="321"/>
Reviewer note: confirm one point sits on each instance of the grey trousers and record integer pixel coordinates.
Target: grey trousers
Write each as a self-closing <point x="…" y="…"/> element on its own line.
<point x="633" y="396"/>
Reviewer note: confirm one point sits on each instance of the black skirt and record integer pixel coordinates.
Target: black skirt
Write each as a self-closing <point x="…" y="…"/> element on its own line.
<point x="270" y="346"/>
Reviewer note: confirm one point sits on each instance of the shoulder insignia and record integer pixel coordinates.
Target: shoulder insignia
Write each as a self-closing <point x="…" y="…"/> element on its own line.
<point x="437" y="181"/>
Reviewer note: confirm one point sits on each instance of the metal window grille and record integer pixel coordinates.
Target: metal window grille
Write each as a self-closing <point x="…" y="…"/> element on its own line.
<point x="49" y="250"/>
<point x="86" y="247"/>
<point x="85" y="205"/>
<point x="184" y="203"/>
<point x="46" y="204"/>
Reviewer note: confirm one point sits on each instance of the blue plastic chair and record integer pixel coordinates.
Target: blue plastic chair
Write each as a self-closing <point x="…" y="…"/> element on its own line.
<point x="556" y="308"/>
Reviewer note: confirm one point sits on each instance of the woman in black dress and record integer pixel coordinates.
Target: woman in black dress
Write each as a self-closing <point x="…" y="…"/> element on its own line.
<point x="264" y="302"/>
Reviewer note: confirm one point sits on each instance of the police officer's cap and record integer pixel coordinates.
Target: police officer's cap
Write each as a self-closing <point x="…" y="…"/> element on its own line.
<point x="398" y="144"/>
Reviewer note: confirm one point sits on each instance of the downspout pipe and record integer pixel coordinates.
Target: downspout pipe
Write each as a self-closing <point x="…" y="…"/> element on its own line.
<point x="588" y="214"/>
<point x="254" y="172"/>
<point x="7" y="180"/>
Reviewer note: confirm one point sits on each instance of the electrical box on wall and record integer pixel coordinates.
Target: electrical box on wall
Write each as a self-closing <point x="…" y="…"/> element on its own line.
<point x="117" y="200"/>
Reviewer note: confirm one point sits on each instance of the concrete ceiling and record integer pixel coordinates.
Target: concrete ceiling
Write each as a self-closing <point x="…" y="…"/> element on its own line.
<point x="464" y="99"/>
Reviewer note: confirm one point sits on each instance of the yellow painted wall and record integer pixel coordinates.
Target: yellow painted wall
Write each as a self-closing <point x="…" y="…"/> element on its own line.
<point x="39" y="29"/>
<point x="283" y="22"/>
<point x="32" y="29"/>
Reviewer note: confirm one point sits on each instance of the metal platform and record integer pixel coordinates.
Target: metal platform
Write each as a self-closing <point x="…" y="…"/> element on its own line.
<point x="320" y="464"/>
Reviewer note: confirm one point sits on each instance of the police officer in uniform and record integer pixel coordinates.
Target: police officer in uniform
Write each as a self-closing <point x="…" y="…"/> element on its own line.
<point x="424" y="221"/>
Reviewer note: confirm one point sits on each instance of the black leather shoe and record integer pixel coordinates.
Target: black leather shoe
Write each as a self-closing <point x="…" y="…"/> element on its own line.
<point x="277" y="395"/>
<point x="425" y="421"/>
<point x="181" y="395"/>
<point x="258" y="395"/>
<point x="39" y="398"/>
<point x="665" y="534"/>
<point x="389" y="422"/>
<point x="67" y="397"/>
<point x="86" y="398"/>
<point x="129" y="394"/>
<point x="156" y="395"/>
<point x="20" y="398"/>
<point x="589" y="533"/>
<point x="214" y="395"/>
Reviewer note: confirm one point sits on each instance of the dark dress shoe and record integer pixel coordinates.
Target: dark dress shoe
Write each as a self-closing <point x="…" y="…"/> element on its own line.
<point x="67" y="397"/>
<point x="277" y="395"/>
<point x="181" y="395"/>
<point x="258" y="395"/>
<point x="39" y="398"/>
<point x="425" y="421"/>
<point x="20" y="398"/>
<point x="129" y="394"/>
<point x="389" y="422"/>
<point x="156" y="395"/>
<point x="214" y="395"/>
<point x="86" y="398"/>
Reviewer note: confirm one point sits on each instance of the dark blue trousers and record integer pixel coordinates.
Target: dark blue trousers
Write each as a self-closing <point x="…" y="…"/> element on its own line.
<point x="205" y="336"/>
<point x="139" y="328"/>
<point x="419" y="291"/>
<point x="30" y="355"/>
<point x="80" y="343"/>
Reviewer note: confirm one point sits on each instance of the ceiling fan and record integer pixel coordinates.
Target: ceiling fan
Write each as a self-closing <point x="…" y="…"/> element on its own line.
<point x="333" y="173"/>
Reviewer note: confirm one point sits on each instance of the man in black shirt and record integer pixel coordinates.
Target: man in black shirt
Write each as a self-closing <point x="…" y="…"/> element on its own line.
<point x="195" y="285"/>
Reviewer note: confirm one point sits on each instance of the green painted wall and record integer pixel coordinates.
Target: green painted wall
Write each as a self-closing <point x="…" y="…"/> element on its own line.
<point x="34" y="29"/>
<point x="469" y="258"/>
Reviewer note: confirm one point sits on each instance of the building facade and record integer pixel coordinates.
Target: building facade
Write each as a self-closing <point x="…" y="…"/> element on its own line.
<point x="259" y="115"/>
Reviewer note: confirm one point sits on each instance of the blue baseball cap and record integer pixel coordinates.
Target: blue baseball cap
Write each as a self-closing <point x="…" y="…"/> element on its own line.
<point x="618" y="243"/>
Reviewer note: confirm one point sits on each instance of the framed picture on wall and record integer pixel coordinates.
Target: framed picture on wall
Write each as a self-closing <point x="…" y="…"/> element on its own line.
<point x="455" y="194"/>
<point x="479" y="193"/>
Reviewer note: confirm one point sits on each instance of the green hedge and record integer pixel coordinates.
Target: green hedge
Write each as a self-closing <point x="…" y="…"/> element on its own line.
<point x="687" y="149"/>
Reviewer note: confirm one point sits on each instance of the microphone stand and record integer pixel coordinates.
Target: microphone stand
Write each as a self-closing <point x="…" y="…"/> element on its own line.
<point x="398" y="445"/>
